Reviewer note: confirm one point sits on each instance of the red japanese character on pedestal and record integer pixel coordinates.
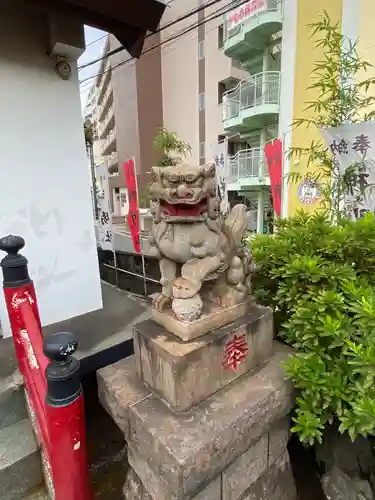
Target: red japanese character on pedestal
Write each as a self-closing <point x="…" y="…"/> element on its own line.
<point x="235" y="351"/>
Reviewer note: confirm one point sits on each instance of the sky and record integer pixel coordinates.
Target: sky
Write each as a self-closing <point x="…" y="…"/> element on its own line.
<point x="94" y="48"/>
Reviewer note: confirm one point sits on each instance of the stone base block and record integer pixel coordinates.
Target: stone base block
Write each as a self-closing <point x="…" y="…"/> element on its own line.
<point x="133" y="488"/>
<point x="213" y="317"/>
<point x="178" y="456"/>
<point x="276" y="483"/>
<point x="253" y="476"/>
<point x="186" y="373"/>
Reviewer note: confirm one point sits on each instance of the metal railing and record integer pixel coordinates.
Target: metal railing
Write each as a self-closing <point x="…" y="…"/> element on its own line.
<point x="259" y="89"/>
<point x="104" y="81"/>
<point x="247" y="163"/>
<point x="108" y="140"/>
<point x="112" y="160"/>
<point x="104" y="105"/>
<point x="236" y="20"/>
<point x="103" y="125"/>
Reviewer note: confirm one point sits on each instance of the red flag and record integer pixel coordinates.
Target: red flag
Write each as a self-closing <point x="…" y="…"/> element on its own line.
<point x="133" y="215"/>
<point x="274" y="158"/>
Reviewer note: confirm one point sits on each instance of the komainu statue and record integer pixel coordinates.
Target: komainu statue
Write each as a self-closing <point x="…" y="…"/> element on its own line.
<point x="202" y="256"/>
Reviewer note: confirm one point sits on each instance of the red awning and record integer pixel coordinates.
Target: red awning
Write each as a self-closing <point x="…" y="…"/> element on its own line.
<point x="128" y="20"/>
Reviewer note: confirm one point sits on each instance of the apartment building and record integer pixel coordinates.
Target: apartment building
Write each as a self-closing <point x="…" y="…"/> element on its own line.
<point x="127" y="112"/>
<point x="235" y="72"/>
<point x="244" y="77"/>
<point x="200" y="81"/>
<point x="90" y="106"/>
<point x="272" y="41"/>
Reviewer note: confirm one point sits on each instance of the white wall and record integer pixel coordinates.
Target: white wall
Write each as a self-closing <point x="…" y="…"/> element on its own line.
<point x="44" y="181"/>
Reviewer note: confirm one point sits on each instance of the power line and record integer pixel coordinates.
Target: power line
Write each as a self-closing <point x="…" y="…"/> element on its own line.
<point x="171" y="48"/>
<point x="96" y="40"/>
<point x="168" y="50"/>
<point x="172" y="38"/>
<point x="163" y="27"/>
<point x="105" y="36"/>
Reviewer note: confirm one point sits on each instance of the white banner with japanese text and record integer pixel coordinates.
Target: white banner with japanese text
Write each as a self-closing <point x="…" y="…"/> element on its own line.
<point x="353" y="147"/>
<point x="104" y="207"/>
<point x="221" y="164"/>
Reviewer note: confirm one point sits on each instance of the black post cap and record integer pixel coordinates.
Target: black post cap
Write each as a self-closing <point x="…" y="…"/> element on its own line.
<point x="62" y="374"/>
<point x="14" y="264"/>
<point x="11" y="244"/>
<point x="59" y="346"/>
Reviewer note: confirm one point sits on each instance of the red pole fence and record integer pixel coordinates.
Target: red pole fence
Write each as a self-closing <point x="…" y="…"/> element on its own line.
<point x="51" y="376"/>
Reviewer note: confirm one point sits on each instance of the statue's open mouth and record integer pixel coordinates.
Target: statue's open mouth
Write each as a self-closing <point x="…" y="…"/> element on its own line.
<point x="184" y="209"/>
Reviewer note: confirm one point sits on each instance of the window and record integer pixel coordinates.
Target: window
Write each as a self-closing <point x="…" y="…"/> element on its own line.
<point x="220" y="89"/>
<point x="201" y="50"/>
<point x="202" y="151"/>
<point x="220" y="36"/>
<point x="201" y="101"/>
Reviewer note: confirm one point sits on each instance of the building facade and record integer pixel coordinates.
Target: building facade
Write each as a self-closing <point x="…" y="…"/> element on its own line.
<point x="235" y="72"/>
<point x="127" y="113"/>
<point x="272" y="40"/>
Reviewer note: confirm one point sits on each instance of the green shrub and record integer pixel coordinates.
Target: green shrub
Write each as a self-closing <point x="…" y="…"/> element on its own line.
<point x="320" y="280"/>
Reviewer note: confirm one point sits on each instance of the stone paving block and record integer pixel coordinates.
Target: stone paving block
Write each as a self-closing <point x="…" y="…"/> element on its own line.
<point x="278" y="440"/>
<point x="135" y="487"/>
<point x="244" y="471"/>
<point x="277" y="482"/>
<point x="119" y="388"/>
<point x="186" y="373"/>
<point x="211" y="492"/>
<point x="190" y="449"/>
<point x="156" y="486"/>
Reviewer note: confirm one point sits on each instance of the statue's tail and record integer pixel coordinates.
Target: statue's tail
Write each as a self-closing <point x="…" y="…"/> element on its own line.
<point x="236" y="224"/>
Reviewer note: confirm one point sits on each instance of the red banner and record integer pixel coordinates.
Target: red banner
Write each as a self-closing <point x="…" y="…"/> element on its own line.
<point x="133" y="215"/>
<point x="274" y="158"/>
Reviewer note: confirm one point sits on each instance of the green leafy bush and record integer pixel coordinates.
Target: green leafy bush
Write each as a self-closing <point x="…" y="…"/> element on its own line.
<point x="320" y="280"/>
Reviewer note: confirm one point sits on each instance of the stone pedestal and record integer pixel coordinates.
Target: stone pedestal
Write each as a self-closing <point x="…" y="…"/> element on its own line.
<point x="197" y="427"/>
<point x="186" y="373"/>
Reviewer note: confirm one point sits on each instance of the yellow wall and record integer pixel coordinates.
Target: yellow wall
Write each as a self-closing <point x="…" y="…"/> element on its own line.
<point x="306" y="56"/>
<point x="366" y="39"/>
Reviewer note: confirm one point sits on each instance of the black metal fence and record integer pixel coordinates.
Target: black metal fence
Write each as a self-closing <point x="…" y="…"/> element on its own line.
<point x="125" y="271"/>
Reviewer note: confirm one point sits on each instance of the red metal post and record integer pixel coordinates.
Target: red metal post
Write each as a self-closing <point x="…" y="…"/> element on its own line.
<point x="53" y="384"/>
<point x="18" y="288"/>
<point x="24" y="320"/>
<point x="66" y="420"/>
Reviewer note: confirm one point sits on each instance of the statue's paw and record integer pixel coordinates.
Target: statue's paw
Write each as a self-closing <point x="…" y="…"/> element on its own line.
<point x="160" y="302"/>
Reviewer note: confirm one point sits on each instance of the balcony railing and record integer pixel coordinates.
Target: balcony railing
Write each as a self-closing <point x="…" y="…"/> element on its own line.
<point x="108" y="140"/>
<point x="247" y="163"/>
<point x="105" y="121"/>
<point x="103" y="81"/>
<point x="235" y="21"/>
<point x="112" y="160"/>
<point x="260" y="89"/>
<point x="104" y="106"/>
